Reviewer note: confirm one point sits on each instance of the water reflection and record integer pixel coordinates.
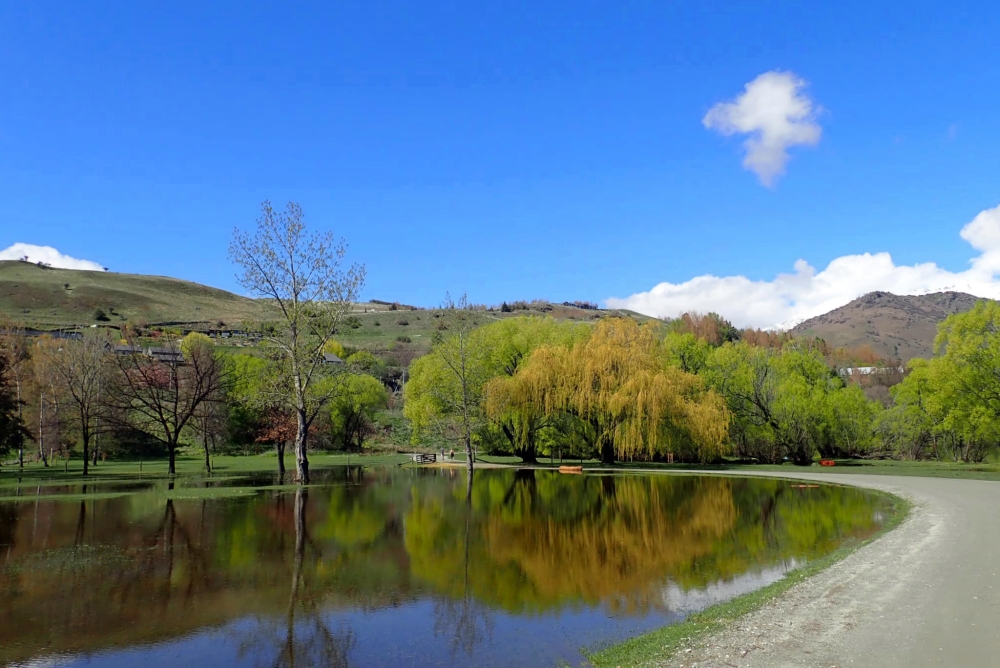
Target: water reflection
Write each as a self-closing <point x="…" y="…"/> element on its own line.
<point x="400" y="566"/>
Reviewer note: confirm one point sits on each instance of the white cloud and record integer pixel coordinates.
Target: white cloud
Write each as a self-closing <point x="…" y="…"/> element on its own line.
<point x="805" y="293"/>
<point x="48" y="255"/>
<point x="777" y="115"/>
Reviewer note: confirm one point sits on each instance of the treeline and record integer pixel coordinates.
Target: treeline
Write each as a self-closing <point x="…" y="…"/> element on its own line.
<point x="98" y="396"/>
<point x="699" y="389"/>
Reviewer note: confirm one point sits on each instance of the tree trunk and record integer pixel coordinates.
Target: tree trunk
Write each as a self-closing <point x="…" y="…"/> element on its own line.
<point x="172" y="467"/>
<point x="279" y="446"/>
<point x="607" y="451"/>
<point x="468" y="457"/>
<point x="41" y="428"/>
<point x="528" y="455"/>
<point x="86" y="452"/>
<point x="301" y="458"/>
<point x="208" y="460"/>
<point x="20" y="417"/>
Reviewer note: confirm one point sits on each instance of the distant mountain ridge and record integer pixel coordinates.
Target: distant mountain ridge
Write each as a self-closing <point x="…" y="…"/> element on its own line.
<point x="895" y="326"/>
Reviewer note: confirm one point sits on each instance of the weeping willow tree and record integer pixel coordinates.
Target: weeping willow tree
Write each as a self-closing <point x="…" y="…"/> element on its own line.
<point x="626" y="401"/>
<point x="436" y="394"/>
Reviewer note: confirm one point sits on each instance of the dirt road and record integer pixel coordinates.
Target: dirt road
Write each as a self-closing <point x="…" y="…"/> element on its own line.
<point x="925" y="594"/>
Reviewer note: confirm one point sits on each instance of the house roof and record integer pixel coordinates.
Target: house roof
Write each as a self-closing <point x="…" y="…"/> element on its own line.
<point x="330" y="358"/>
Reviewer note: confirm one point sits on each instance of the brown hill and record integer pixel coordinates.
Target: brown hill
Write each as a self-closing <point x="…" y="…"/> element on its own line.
<point x="900" y="326"/>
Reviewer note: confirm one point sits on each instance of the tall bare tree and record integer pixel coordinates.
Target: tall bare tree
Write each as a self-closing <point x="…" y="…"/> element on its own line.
<point x="305" y="277"/>
<point x="163" y="398"/>
<point x="81" y="370"/>
<point x="48" y="389"/>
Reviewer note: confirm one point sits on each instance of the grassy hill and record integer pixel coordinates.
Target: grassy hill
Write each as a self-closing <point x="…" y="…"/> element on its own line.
<point x="900" y="326"/>
<point x="401" y="335"/>
<point x="48" y="298"/>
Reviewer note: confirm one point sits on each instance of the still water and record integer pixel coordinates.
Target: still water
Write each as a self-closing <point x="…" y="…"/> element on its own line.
<point x="396" y="567"/>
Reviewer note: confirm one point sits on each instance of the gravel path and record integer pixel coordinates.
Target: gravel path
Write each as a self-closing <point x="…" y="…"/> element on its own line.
<point x="925" y="594"/>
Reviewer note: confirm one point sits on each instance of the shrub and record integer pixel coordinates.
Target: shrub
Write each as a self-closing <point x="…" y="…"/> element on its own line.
<point x="404" y="323"/>
<point x="403" y="339"/>
<point x="100" y="315"/>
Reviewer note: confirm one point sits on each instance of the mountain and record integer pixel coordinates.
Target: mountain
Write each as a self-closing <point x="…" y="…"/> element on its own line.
<point x="900" y="326"/>
<point x="44" y="297"/>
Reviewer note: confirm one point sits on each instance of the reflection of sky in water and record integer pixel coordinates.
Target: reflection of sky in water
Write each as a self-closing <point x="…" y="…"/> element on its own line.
<point x="398" y="636"/>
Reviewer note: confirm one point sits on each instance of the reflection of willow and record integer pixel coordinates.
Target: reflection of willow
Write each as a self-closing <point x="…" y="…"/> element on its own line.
<point x="620" y="553"/>
<point x="308" y="639"/>
<point x="540" y="541"/>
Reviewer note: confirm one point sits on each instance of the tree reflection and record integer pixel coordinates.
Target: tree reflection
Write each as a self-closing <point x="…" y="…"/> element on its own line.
<point x="143" y="568"/>
<point x="467" y="621"/>
<point x="306" y="639"/>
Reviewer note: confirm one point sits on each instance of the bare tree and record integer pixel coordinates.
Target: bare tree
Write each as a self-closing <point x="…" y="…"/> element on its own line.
<point x="162" y="398"/>
<point x="209" y="424"/>
<point x="50" y="405"/>
<point x="80" y="370"/>
<point x="304" y="276"/>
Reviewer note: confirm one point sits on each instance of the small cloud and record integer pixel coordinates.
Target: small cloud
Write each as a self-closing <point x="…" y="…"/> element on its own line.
<point x="952" y="131"/>
<point x="790" y="298"/>
<point x="776" y="114"/>
<point x="47" y="255"/>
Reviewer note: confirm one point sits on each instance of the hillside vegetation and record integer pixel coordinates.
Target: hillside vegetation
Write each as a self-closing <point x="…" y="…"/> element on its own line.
<point x="46" y="298"/>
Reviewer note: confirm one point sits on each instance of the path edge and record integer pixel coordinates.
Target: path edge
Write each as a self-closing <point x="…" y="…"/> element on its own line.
<point x="656" y="647"/>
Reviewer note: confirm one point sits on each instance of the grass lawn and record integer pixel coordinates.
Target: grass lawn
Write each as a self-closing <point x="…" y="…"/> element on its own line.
<point x="112" y="478"/>
<point x="62" y="473"/>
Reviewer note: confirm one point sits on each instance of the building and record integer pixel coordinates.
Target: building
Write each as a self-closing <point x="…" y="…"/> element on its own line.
<point x="123" y="349"/>
<point x="169" y="355"/>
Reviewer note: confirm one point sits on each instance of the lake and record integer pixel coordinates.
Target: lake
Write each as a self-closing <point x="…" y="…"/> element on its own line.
<point x="394" y="566"/>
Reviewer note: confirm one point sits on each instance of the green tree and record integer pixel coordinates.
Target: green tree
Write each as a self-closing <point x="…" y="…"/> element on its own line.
<point x="353" y="410"/>
<point x="12" y="429"/>
<point x="686" y="351"/>
<point x="626" y="401"/>
<point x="851" y="422"/>
<point x="449" y="382"/>
<point x="496" y="352"/>
<point x="777" y="399"/>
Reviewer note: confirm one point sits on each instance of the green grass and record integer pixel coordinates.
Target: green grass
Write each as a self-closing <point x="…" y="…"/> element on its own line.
<point x="35" y="482"/>
<point x="655" y="647"/>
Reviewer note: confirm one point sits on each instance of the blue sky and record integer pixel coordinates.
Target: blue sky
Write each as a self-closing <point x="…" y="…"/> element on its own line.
<point x="511" y="150"/>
